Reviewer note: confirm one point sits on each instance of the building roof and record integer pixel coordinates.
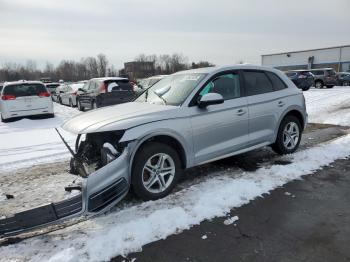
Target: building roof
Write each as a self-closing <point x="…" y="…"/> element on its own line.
<point x="307" y="50"/>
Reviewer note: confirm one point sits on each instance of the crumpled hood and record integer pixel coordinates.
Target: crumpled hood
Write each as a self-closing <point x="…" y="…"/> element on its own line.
<point x="119" y="117"/>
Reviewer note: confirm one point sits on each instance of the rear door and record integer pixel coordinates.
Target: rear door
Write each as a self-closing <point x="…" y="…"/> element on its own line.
<point x="265" y="106"/>
<point x="26" y="97"/>
<point x="85" y="97"/>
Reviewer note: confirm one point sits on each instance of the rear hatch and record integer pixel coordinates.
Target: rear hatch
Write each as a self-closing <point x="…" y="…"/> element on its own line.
<point x="25" y="97"/>
<point x="116" y="92"/>
<point x="331" y="77"/>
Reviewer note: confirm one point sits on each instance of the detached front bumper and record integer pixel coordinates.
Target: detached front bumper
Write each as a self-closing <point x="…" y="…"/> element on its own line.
<point x="99" y="192"/>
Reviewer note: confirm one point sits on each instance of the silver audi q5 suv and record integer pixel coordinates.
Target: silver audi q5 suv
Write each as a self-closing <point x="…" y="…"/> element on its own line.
<point x="187" y="119"/>
<point x="184" y="120"/>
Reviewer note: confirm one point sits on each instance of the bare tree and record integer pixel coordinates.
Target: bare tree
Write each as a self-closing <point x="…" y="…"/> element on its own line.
<point x="102" y="63"/>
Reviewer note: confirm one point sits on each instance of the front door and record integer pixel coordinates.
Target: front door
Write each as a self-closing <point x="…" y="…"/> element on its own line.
<point x="221" y="129"/>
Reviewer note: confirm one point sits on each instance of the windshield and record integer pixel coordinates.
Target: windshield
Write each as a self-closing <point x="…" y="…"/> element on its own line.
<point x="171" y="90"/>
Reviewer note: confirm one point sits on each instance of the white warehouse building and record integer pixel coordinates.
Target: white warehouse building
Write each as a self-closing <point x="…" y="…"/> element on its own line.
<point x="335" y="57"/>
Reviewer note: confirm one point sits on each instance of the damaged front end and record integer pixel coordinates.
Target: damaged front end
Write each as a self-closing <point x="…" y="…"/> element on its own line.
<point x="103" y="163"/>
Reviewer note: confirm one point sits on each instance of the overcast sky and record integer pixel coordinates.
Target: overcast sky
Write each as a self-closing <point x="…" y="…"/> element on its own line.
<point x="220" y="31"/>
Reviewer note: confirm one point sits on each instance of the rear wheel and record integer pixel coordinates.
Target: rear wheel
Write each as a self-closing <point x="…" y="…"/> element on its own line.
<point x="346" y="83"/>
<point x="330" y="86"/>
<point x="156" y="170"/>
<point x="306" y="88"/>
<point x="318" y="84"/>
<point x="289" y="136"/>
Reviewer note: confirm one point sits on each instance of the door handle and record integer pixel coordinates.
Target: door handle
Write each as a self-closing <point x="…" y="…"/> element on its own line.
<point x="281" y="103"/>
<point x="240" y="112"/>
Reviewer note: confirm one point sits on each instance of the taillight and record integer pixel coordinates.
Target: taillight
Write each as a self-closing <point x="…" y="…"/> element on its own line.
<point x="44" y="94"/>
<point x="74" y="93"/>
<point x="103" y="88"/>
<point x="8" y="97"/>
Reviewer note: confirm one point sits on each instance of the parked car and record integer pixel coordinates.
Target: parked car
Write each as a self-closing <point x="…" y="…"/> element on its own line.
<point x="51" y="87"/>
<point x="343" y="78"/>
<point x="68" y="94"/>
<point x="324" y="77"/>
<point x="186" y="119"/>
<point x="301" y="78"/>
<point x="148" y="82"/>
<point x="25" y="98"/>
<point x="105" y="91"/>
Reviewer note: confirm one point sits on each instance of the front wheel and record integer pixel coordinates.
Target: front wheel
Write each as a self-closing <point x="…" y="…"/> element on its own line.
<point x="318" y="84"/>
<point x="346" y="83"/>
<point x="288" y="137"/>
<point x="155" y="171"/>
<point x="80" y="107"/>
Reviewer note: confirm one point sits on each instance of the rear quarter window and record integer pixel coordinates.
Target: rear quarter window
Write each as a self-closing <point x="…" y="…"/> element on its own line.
<point x="119" y="85"/>
<point x="277" y="83"/>
<point x="24" y="90"/>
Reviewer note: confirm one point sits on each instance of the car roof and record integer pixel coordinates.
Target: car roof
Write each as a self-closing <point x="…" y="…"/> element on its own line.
<point x="215" y="69"/>
<point x="109" y="78"/>
<point x="319" y="69"/>
<point x="22" y="82"/>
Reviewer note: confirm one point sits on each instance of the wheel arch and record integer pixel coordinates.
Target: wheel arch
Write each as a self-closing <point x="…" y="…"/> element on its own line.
<point x="297" y="112"/>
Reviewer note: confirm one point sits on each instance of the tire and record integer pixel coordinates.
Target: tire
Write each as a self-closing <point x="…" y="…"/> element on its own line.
<point x="330" y="86"/>
<point x="318" y="84"/>
<point x="281" y="146"/>
<point x="4" y="120"/>
<point x="149" y="154"/>
<point x="51" y="115"/>
<point x="80" y="107"/>
<point x="346" y="83"/>
<point x="94" y="105"/>
<point x="306" y="88"/>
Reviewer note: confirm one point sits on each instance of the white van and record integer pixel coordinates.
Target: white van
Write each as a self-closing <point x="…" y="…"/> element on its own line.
<point x="25" y="98"/>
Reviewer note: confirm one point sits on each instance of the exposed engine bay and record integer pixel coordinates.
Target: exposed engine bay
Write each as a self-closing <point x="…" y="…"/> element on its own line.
<point x="94" y="151"/>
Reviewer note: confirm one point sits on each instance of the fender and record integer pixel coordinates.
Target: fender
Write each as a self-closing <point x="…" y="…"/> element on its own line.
<point x="285" y="112"/>
<point x="182" y="133"/>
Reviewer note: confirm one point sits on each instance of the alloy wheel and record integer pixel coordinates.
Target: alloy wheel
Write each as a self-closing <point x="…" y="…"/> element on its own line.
<point x="291" y="135"/>
<point x="158" y="173"/>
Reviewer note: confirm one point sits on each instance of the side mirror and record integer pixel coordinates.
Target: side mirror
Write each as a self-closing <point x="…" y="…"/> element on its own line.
<point x="61" y="92"/>
<point x="210" y="99"/>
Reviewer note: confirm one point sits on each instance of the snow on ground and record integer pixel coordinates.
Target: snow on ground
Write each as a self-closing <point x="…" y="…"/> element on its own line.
<point x="329" y="106"/>
<point x="131" y="227"/>
<point x="27" y="142"/>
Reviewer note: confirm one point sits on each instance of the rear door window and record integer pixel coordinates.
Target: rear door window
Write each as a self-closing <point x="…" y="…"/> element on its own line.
<point x="24" y="90"/>
<point x="277" y="83"/>
<point x="256" y="82"/>
<point x="331" y="72"/>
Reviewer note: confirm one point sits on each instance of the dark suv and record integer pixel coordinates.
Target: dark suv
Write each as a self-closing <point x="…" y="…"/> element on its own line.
<point x="324" y="77"/>
<point x="105" y="91"/>
<point x="343" y="78"/>
<point x="301" y="78"/>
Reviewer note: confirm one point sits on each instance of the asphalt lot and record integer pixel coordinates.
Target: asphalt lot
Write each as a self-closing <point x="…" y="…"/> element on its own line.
<point x="306" y="220"/>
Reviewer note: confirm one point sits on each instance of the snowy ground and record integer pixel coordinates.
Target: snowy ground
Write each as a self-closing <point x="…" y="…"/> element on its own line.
<point x="135" y="224"/>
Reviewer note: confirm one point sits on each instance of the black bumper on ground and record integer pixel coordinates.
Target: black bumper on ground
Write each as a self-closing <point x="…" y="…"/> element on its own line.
<point x="33" y="218"/>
